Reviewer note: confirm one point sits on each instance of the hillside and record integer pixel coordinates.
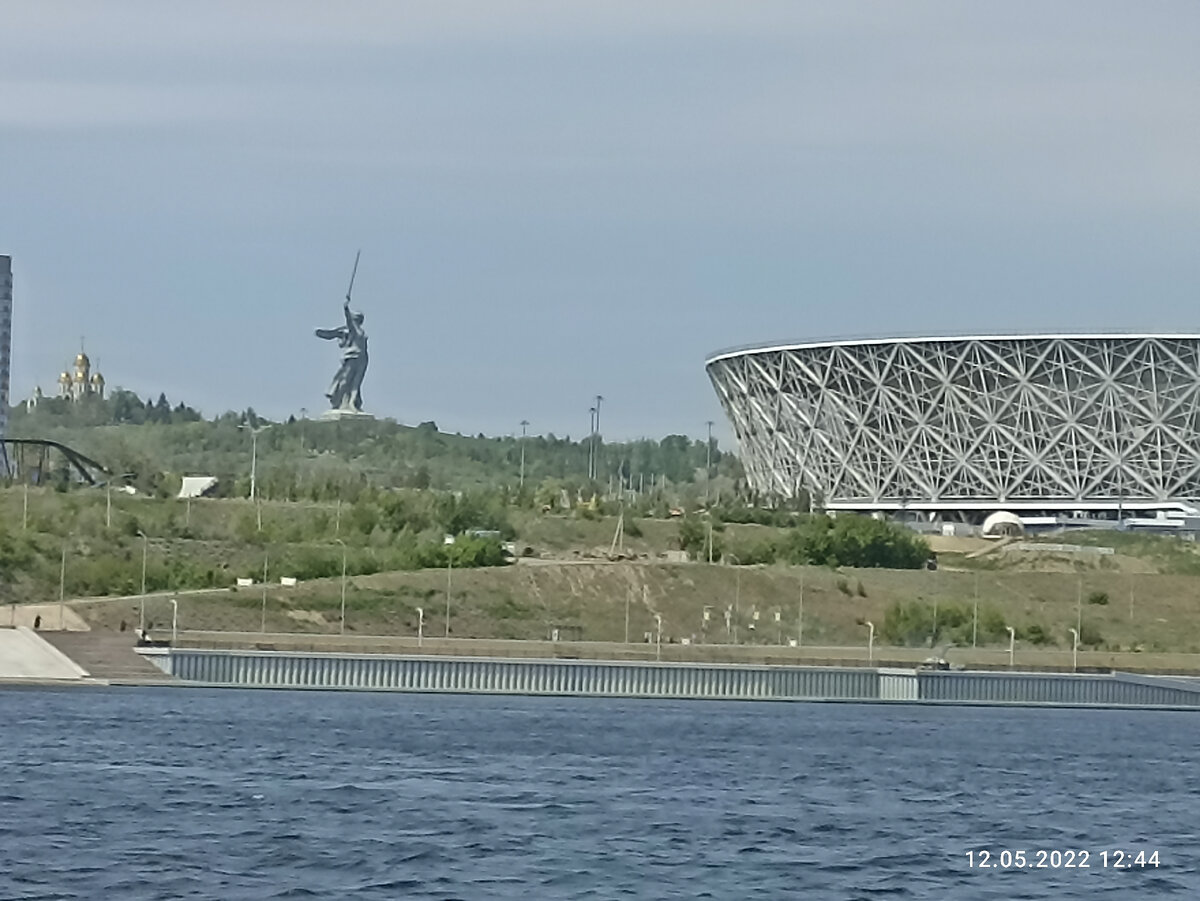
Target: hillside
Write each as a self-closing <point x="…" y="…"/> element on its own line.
<point x="1141" y="614"/>
<point x="321" y="460"/>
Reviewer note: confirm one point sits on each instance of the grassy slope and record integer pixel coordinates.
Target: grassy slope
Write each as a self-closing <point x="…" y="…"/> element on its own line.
<point x="528" y="600"/>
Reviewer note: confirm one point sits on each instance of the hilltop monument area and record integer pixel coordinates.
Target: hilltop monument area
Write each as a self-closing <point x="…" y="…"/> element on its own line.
<point x="345" y="392"/>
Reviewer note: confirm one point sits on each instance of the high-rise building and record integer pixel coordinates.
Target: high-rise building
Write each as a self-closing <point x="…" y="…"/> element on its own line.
<point x="5" y="352"/>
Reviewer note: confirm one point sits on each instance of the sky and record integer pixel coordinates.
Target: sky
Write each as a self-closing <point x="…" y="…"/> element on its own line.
<point x="561" y="200"/>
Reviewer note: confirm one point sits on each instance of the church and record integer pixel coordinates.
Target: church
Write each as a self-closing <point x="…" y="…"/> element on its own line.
<point x="84" y="383"/>
<point x="76" y="386"/>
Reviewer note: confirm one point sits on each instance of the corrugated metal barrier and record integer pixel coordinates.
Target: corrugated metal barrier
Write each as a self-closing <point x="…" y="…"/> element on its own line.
<point x="517" y="676"/>
<point x="273" y="669"/>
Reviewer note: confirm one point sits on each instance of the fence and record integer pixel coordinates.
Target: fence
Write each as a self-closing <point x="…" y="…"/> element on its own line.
<point x="272" y="669"/>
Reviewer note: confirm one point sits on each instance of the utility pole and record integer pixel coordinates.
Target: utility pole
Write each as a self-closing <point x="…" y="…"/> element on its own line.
<point x="524" y="425"/>
<point x="254" y="465"/>
<point x="591" y="443"/>
<point x="1079" y="605"/>
<point x="342" y="630"/>
<point x="708" y="462"/>
<point x="596" y="439"/>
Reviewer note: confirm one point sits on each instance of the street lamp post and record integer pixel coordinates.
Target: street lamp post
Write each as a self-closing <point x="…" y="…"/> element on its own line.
<point x="1012" y="644"/>
<point x="737" y="583"/>
<point x="343" y="544"/>
<point x="142" y="613"/>
<point x="174" y="621"/>
<point x="449" y="581"/>
<point x="658" y="636"/>
<point x="704" y="624"/>
<point x="975" y="618"/>
<point x="420" y="626"/>
<point x="870" y="641"/>
<point x="708" y="462"/>
<point x="266" y="560"/>
<point x="524" y="426"/>
<point x="62" y="589"/>
<point x="1074" y="650"/>
<point x="800" y="615"/>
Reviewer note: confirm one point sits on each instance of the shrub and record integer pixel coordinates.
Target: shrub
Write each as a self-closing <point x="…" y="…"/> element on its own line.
<point x="1037" y="634"/>
<point x="694" y="538"/>
<point x="858" y="541"/>
<point x="1100" y="598"/>
<point x="992" y="626"/>
<point x="907" y="623"/>
<point x="1089" y="635"/>
<point x="761" y="552"/>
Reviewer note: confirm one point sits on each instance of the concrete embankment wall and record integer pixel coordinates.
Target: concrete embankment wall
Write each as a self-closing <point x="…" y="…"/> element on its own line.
<point x="270" y="669"/>
<point x="24" y="655"/>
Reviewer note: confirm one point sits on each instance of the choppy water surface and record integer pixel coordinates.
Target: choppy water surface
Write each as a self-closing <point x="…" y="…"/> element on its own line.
<point x="173" y="793"/>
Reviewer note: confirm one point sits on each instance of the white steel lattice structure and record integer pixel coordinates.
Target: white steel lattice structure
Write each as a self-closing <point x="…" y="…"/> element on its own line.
<point x="1048" y="423"/>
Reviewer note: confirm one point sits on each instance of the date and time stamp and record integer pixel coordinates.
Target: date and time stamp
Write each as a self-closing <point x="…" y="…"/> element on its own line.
<point x="1067" y="859"/>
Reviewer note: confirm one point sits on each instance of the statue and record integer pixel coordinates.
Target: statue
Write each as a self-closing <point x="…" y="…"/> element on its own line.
<point x="345" y="393"/>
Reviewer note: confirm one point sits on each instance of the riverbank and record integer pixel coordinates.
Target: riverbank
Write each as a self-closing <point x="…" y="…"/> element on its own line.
<point x="1124" y="617"/>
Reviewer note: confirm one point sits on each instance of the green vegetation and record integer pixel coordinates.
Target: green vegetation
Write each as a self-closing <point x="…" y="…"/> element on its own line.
<point x="921" y="624"/>
<point x="380" y="498"/>
<point x="92" y="540"/>
<point x="857" y="541"/>
<point x="303" y="459"/>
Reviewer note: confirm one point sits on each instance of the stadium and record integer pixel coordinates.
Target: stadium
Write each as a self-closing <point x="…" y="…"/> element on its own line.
<point x="956" y="428"/>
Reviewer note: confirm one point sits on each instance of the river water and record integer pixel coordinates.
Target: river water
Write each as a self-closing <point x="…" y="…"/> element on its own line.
<point x="235" y="794"/>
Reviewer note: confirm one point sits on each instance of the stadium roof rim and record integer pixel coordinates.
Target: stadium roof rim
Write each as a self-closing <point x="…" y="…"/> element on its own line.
<point x="743" y="349"/>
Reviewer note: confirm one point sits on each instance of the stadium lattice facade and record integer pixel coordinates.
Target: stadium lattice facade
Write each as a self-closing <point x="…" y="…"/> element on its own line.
<point x="1038" y="423"/>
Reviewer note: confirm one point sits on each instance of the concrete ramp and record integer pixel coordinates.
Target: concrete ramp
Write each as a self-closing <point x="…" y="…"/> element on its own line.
<point x="108" y="656"/>
<point x="47" y="616"/>
<point x="24" y="655"/>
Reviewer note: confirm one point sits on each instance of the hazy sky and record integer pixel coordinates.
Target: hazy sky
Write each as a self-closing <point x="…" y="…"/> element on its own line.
<point x="557" y="199"/>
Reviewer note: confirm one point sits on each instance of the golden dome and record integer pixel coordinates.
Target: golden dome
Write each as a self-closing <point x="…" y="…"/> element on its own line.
<point x="82" y="361"/>
<point x="65" y="378"/>
<point x="79" y="376"/>
<point x="97" y="379"/>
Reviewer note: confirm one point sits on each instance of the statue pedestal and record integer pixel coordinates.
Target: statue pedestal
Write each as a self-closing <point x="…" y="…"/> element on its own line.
<point x="342" y="415"/>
